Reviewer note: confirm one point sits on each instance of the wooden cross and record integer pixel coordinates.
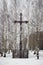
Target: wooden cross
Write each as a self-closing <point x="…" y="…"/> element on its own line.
<point x="20" y="31"/>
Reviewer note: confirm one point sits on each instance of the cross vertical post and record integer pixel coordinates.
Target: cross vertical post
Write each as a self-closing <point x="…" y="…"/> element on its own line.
<point x="20" y="34"/>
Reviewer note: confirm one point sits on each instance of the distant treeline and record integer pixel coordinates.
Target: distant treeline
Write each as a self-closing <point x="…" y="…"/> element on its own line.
<point x="33" y="42"/>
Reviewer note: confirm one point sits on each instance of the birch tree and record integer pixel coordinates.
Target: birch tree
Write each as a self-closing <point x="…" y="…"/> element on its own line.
<point x="4" y="29"/>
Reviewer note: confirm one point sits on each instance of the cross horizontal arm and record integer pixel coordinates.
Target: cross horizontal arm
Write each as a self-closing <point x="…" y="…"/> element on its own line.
<point x="20" y="21"/>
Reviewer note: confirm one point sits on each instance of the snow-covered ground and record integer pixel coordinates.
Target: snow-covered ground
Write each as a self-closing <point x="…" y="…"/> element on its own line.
<point x="32" y="60"/>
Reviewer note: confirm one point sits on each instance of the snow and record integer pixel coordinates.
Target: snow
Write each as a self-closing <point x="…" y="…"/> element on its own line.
<point x="32" y="60"/>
